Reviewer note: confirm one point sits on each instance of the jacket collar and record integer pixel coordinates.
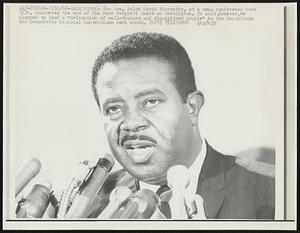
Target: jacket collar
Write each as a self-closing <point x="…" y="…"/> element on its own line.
<point x="212" y="181"/>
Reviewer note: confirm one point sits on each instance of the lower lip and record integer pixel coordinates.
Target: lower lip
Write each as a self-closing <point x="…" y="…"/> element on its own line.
<point x="140" y="155"/>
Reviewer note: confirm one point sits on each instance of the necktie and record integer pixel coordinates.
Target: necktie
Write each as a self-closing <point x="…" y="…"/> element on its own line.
<point x="165" y="194"/>
<point x="195" y="206"/>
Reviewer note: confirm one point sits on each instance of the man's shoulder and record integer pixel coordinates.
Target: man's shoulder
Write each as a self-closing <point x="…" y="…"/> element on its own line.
<point x="244" y="175"/>
<point x="249" y="170"/>
<point x="249" y="187"/>
<point x="249" y="173"/>
<point x="238" y="166"/>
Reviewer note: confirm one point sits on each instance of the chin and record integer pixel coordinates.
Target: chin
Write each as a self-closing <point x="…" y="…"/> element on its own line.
<point x="161" y="180"/>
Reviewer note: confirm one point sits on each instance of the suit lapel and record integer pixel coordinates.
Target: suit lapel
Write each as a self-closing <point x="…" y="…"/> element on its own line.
<point x="212" y="183"/>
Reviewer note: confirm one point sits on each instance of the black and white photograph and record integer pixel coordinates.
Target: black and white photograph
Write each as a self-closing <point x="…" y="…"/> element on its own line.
<point x="149" y="116"/>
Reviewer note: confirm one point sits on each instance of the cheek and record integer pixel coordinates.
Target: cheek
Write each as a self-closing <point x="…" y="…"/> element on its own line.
<point x="176" y="136"/>
<point x="111" y="130"/>
<point x="169" y="123"/>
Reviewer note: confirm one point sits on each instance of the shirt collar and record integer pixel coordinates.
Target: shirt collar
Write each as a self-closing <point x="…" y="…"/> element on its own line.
<point x="196" y="167"/>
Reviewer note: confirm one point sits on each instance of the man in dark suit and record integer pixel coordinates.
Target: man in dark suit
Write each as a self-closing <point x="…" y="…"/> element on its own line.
<point x="231" y="189"/>
<point x="145" y="88"/>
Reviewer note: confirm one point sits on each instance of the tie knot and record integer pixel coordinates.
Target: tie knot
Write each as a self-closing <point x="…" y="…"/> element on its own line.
<point x="165" y="194"/>
<point x="162" y="189"/>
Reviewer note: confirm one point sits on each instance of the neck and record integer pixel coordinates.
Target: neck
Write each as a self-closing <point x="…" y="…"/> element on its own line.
<point x="197" y="143"/>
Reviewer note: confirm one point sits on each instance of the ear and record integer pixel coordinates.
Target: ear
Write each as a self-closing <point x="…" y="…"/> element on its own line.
<point x="195" y="101"/>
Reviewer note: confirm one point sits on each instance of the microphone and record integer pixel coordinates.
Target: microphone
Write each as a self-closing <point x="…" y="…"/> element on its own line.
<point x="141" y="205"/>
<point x="195" y="208"/>
<point x="76" y="178"/>
<point x="113" y="180"/>
<point x="52" y="209"/>
<point x="116" y="199"/>
<point x="28" y="172"/>
<point x="178" y="186"/>
<point x="35" y="204"/>
<point x="90" y="187"/>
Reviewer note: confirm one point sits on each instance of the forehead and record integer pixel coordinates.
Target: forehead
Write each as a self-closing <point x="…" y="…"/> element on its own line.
<point x="136" y="70"/>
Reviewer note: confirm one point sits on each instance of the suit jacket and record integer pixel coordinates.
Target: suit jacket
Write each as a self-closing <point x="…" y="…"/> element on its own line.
<point x="229" y="190"/>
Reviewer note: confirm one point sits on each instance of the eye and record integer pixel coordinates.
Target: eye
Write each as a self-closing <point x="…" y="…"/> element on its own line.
<point x="113" y="111"/>
<point x="150" y="103"/>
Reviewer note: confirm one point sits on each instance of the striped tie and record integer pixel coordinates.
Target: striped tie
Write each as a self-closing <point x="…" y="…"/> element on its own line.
<point x="165" y="194"/>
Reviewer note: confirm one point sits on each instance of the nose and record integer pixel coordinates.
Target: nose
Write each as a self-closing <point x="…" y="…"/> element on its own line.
<point x="134" y="121"/>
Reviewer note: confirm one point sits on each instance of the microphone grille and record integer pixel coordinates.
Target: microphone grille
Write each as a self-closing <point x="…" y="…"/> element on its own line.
<point x="178" y="175"/>
<point x="106" y="161"/>
<point x="47" y="184"/>
<point x="34" y="165"/>
<point x="120" y="193"/>
<point x="110" y="159"/>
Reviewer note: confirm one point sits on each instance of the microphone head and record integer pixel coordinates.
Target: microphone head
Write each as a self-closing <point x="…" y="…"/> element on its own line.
<point x="107" y="162"/>
<point x="46" y="184"/>
<point x="148" y="201"/>
<point x="34" y="165"/>
<point x="120" y="194"/>
<point x="110" y="159"/>
<point x="178" y="175"/>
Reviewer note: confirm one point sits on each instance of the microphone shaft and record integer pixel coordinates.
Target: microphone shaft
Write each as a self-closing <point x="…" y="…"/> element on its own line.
<point x="80" y="204"/>
<point x="178" y="186"/>
<point x="177" y="204"/>
<point x="131" y="211"/>
<point x="110" y="210"/>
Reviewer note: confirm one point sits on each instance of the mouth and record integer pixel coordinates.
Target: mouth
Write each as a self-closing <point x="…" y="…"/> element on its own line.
<point x="139" y="150"/>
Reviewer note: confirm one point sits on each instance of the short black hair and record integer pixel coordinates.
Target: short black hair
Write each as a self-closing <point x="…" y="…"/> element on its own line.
<point x="142" y="44"/>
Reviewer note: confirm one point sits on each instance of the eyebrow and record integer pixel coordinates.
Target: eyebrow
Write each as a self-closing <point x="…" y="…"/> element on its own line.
<point x="111" y="100"/>
<point x="138" y="95"/>
<point x="149" y="92"/>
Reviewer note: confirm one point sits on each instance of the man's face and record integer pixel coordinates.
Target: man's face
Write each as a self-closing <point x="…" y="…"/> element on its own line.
<point x="147" y="125"/>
